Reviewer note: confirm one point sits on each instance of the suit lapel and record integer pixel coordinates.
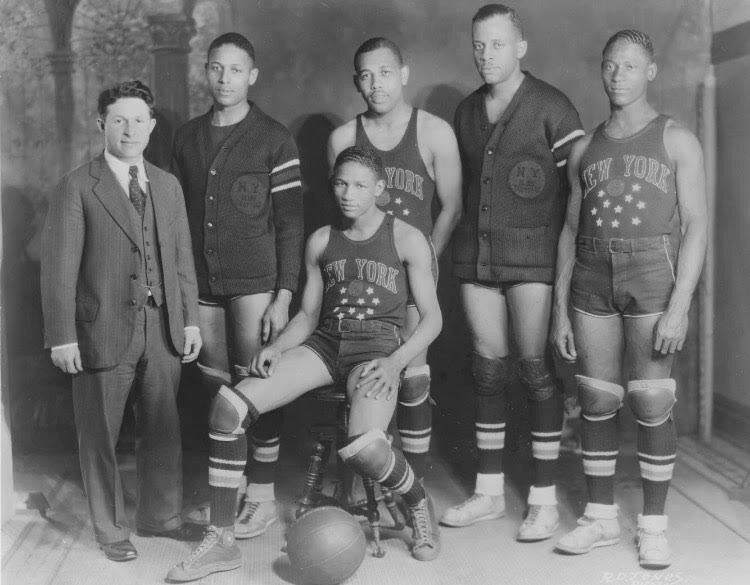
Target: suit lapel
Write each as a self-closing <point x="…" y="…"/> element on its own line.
<point x="115" y="201"/>
<point x="159" y="187"/>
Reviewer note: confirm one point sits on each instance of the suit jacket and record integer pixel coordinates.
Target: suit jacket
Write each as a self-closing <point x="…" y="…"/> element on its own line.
<point x="92" y="276"/>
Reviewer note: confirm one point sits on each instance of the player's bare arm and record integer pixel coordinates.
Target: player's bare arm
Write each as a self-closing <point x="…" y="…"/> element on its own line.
<point x="342" y="137"/>
<point x="440" y="153"/>
<point x="686" y="152"/>
<point x="306" y="319"/>
<point x="414" y="252"/>
<point x="561" y="331"/>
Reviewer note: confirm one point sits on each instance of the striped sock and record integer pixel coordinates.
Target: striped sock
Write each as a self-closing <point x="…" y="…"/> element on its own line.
<point x="414" y="416"/>
<point x="264" y="439"/>
<point x="490" y="381"/>
<point x="227" y="455"/>
<point x="600" y="443"/>
<point x="657" y="451"/>
<point x="371" y="455"/>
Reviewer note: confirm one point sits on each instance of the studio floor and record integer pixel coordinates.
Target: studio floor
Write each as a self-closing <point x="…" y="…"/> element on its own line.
<point x="709" y="529"/>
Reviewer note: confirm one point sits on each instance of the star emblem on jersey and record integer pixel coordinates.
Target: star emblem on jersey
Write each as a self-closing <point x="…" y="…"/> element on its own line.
<point x="593" y="211"/>
<point x="618" y="208"/>
<point x="376" y="301"/>
<point x="406" y="212"/>
<point x="361" y="316"/>
<point x="636" y="187"/>
<point x="360" y="301"/>
<point x="635" y="221"/>
<point x="397" y="200"/>
<point x="601" y="193"/>
<point x="606" y="203"/>
<point x="641" y="205"/>
<point x="609" y="208"/>
<point x="370" y="290"/>
<point x="615" y="224"/>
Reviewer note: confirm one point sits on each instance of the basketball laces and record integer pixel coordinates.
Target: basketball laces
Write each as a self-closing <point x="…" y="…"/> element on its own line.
<point x="248" y="511"/>
<point x="209" y="539"/>
<point x="421" y="524"/>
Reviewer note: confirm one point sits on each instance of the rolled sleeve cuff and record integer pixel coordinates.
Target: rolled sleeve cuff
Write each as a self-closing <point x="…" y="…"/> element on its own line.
<point x="64" y="345"/>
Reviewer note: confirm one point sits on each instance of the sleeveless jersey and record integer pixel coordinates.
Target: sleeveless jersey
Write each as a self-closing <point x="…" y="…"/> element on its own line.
<point x="365" y="279"/>
<point x="628" y="185"/>
<point x="409" y="190"/>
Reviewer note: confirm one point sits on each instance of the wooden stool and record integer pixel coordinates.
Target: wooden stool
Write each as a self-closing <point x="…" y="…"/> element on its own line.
<point x="330" y="436"/>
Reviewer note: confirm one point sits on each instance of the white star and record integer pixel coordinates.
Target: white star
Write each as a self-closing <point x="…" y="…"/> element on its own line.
<point x="397" y="200"/>
<point x="340" y="315"/>
<point x="360" y="316"/>
<point x="636" y="221"/>
<point x="628" y="198"/>
<point x="615" y="224"/>
<point x="344" y="301"/>
<point x="606" y="203"/>
<point x="636" y="187"/>
<point x="351" y="310"/>
<point x="370" y="312"/>
<point x="389" y="212"/>
<point x="618" y="209"/>
<point x="369" y="290"/>
<point x="593" y="211"/>
<point x="342" y="290"/>
<point x="360" y="301"/>
<point x="376" y="301"/>
<point x="600" y="194"/>
<point x="599" y="222"/>
<point x="406" y="212"/>
<point x="640" y="205"/>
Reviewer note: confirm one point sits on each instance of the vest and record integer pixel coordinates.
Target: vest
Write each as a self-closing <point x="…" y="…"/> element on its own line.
<point x="628" y="185"/>
<point x="151" y="267"/>
<point x="409" y="188"/>
<point x="365" y="279"/>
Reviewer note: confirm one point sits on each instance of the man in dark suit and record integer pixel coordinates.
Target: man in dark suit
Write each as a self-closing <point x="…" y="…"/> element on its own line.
<point x="120" y="305"/>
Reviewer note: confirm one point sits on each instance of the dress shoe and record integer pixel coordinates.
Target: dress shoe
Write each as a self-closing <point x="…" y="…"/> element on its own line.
<point x="187" y="532"/>
<point x="122" y="550"/>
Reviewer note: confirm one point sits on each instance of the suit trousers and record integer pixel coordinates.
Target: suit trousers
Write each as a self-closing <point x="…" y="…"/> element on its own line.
<point x="151" y="369"/>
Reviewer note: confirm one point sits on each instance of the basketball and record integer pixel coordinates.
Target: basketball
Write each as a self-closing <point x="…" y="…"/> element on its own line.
<point x="326" y="545"/>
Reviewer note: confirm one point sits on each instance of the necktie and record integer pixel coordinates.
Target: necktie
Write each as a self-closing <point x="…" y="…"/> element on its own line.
<point x="137" y="196"/>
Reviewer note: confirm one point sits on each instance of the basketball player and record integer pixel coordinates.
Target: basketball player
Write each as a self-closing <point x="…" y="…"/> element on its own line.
<point x="515" y="133"/>
<point x="421" y="160"/>
<point x="629" y="259"/>
<point x="347" y="331"/>
<point x="240" y="173"/>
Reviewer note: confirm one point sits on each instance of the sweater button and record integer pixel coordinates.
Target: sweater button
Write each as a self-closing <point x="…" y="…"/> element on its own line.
<point x="133" y="276"/>
<point x="212" y="279"/>
<point x="485" y="207"/>
<point x="210" y="197"/>
<point x="212" y="171"/>
<point x="210" y="251"/>
<point x="133" y="302"/>
<point x="210" y="225"/>
<point x="484" y="127"/>
<point x="484" y="235"/>
<point x="134" y="249"/>
<point x="490" y="152"/>
<point x="487" y="180"/>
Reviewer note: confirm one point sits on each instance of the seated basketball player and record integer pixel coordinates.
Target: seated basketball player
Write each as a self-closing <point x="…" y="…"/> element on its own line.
<point x="347" y="331"/>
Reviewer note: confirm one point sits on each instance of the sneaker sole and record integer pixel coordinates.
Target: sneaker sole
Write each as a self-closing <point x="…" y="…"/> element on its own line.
<point x="538" y="537"/>
<point x="216" y="568"/>
<point x="655" y="565"/>
<point x="460" y="524"/>
<point x="580" y="551"/>
<point x="238" y="535"/>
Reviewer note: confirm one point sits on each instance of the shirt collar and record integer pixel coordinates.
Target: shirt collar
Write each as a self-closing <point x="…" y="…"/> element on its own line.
<point x="121" y="169"/>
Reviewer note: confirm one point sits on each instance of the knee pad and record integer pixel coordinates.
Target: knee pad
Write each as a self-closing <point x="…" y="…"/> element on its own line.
<point x="600" y="400"/>
<point x="415" y="386"/>
<point x="652" y="400"/>
<point x="536" y="378"/>
<point x="231" y="413"/>
<point x="369" y="454"/>
<point x="490" y="374"/>
<point x="214" y="378"/>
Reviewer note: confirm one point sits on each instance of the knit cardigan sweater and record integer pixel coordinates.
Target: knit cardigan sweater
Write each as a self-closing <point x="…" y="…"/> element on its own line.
<point x="515" y="184"/>
<point x="244" y="206"/>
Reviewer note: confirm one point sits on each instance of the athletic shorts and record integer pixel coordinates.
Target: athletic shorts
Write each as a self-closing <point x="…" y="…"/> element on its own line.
<point x="503" y="286"/>
<point x="344" y="344"/>
<point x="435" y="273"/>
<point x="628" y="278"/>
<point x="221" y="301"/>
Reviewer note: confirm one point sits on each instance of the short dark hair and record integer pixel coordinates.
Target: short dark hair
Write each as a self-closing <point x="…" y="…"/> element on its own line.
<point x="378" y="43"/>
<point x="236" y="39"/>
<point x="490" y="10"/>
<point x="633" y="36"/>
<point x="125" y="89"/>
<point x="366" y="157"/>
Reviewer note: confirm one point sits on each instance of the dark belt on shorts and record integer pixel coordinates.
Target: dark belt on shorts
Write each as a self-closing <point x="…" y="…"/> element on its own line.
<point x="620" y="245"/>
<point x="361" y="325"/>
